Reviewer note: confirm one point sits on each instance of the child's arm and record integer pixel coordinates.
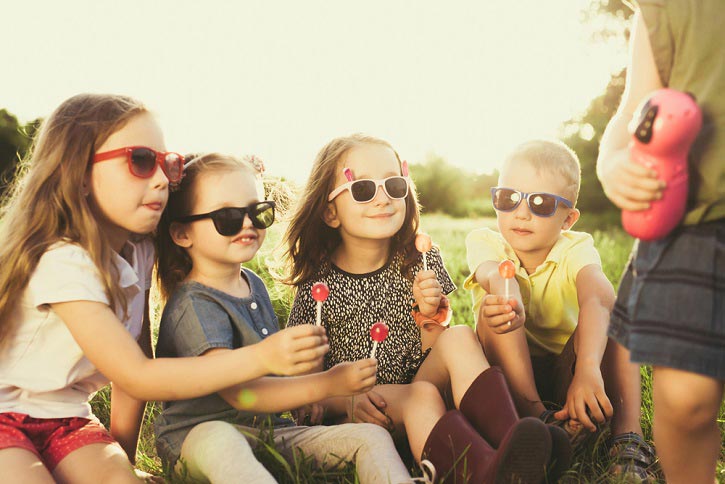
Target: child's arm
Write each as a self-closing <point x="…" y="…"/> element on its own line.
<point x="275" y="394"/>
<point x="111" y="348"/>
<point x="596" y="299"/>
<point x="629" y="185"/>
<point x="126" y="411"/>
<point x="496" y="312"/>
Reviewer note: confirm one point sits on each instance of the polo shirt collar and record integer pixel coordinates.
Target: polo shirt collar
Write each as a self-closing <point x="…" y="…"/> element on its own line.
<point x="125" y="264"/>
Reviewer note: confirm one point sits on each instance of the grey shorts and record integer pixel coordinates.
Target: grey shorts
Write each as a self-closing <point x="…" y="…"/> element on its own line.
<point x="670" y="308"/>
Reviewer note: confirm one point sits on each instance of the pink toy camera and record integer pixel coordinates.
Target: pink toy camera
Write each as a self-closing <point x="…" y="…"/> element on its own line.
<point x="668" y="123"/>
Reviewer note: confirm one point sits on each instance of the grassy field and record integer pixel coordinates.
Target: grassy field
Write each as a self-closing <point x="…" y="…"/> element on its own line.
<point x="614" y="246"/>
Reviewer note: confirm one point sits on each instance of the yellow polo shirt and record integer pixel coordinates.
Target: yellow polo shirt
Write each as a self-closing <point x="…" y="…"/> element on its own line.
<point x="549" y="293"/>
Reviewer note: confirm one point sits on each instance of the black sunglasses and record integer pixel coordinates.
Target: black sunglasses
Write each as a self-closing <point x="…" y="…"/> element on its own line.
<point x="365" y="189"/>
<point x="540" y="203"/>
<point x="229" y="220"/>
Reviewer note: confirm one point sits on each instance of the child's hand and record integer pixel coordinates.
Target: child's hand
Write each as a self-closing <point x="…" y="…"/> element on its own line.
<point x="629" y="185"/>
<point x="311" y="414"/>
<point x="352" y="377"/>
<point x="427" y="292"/>
<point x="294" y="350"/>
<point x="502" y="316"/>
<point x="369" y="408"/>
<point x="148" y="478"/>
<point x="586" y="392"/>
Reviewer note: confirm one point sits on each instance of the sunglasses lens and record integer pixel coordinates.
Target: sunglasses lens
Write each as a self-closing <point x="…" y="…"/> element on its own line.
<point x="173" y="167"/>
<point x="228" y="221"/>
<point x="143" y="162"/>
<point x="397" y="187"/>
<point x="542" y="204"/>
<point x="505" y="199"/>
<point x="262" y="215"/>
<point x="363" y="190"/>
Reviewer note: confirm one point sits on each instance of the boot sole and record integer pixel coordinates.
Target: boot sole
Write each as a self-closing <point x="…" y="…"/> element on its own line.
<point x="526" y="453"/>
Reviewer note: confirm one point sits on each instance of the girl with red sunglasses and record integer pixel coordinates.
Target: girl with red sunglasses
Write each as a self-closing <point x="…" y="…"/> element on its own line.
<point x="355" y="230"/>
<point x="76" y="261"/>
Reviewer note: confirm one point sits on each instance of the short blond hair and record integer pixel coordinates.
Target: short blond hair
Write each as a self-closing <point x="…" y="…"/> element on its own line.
<point x="551" y="156"/>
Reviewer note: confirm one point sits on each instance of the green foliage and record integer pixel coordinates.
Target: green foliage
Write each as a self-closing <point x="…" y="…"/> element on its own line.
<point x="445" y="188"/>
<point x="15" y="141"/>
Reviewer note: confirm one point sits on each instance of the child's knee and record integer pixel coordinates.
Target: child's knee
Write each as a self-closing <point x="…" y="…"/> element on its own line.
<point x="207" y="435"/>
<point x="419" y="392"/>
<point x="684" y="410"/>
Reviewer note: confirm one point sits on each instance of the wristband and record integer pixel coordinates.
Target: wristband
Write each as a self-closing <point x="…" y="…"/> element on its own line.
<point x="441" y="318"/>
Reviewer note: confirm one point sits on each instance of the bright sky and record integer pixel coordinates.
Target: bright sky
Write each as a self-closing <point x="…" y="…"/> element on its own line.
<point x="466" y="80"/>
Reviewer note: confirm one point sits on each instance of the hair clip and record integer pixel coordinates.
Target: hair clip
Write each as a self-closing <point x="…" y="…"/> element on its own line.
<point x="348" y="174"/>
<point x="256" y="162"/>
<point x="404" y="168"/>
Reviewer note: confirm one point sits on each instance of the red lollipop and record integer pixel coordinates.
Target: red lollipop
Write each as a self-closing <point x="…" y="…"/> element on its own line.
<point x="378" y="333"/>
<point x="320" y="291"/>
<point x="423" y="244"/>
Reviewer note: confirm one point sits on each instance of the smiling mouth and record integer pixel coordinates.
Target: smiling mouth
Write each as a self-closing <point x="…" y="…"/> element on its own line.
<point x="522" y="231"/>
<point x="245" y="239"/>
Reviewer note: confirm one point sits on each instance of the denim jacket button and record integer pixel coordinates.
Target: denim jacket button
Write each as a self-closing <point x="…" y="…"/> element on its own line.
<point x="253" y="306"/>
<point x="265" y="331"/>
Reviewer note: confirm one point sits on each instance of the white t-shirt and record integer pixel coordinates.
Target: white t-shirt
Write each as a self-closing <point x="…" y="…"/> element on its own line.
<point x="43" y="372"/>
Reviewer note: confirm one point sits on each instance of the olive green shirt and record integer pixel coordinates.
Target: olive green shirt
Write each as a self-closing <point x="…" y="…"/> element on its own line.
<point x="688" y="43"/>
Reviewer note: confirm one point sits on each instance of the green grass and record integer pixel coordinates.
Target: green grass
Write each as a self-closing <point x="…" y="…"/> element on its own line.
<point x="591" y="461"/>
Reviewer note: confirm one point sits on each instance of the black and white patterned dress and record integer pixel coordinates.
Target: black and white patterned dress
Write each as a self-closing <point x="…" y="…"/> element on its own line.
<point x="356" y="302"/>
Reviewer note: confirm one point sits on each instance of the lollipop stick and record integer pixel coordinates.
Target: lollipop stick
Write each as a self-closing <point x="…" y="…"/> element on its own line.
<point x="318" y="321"/>
<point x="375" y="346"/>
<point x="506" y="294"/>
<point x="425" y="261"/>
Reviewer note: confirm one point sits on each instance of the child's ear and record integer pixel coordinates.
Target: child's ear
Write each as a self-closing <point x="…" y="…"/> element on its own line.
<point x="570" y="219"/>
<point x="179" y="235"/>
<point x="329" y="216"/>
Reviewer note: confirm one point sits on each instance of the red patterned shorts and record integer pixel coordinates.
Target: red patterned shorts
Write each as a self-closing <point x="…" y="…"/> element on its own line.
<point x="51" y="439"/>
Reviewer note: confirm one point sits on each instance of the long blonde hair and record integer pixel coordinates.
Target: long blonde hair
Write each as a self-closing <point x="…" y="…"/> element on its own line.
<point x="310" y="241"/>
<point x="47" y="201"/>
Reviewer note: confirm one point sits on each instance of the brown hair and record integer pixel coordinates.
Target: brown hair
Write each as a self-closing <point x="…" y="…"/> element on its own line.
<point x="174" y="263"/>
<point x="310" y="241"/>
<point x="47" y="203"/>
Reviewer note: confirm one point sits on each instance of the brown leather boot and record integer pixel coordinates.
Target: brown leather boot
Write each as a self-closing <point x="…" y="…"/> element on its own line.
<point x="460" y="455"/>
<point x="488" y="405"/>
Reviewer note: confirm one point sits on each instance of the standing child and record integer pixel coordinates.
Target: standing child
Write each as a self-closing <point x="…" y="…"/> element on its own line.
<point x="550" y="335"/>
<point x="215" y="221"/>
<point x="76" y="269"/>
<point x="355" y="229"/>
<point x="670" y="310"/>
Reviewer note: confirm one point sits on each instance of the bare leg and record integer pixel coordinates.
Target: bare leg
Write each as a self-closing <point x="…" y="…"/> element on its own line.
<point x="622" y="384"/>
<point x="455" y="361"/>
<point x="96" y="463"/>
<point x="685" y="424"/>
<point x="22" y="466"/>
<point x="414" y="409"/>
<point x="510" y="351"/>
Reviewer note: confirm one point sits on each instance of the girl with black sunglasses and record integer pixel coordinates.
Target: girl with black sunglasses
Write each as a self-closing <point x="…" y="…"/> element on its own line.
<point x="217" y="220"/>
<point x="355" y="230"/>
<point x="76" y="257"/>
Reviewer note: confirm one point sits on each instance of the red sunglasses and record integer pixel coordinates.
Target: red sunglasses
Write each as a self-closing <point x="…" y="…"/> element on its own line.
<point x="142" y="161"/>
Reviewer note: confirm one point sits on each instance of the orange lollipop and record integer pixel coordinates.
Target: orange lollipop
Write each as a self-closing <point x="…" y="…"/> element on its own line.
<point x="507" y="270"/>
<point x="423" y="244"/>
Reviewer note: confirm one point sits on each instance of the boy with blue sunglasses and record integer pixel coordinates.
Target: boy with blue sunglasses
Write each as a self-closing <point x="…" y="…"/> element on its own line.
<point x="550" y="335"/>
